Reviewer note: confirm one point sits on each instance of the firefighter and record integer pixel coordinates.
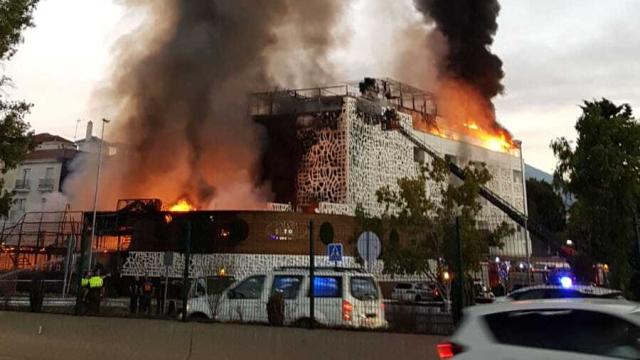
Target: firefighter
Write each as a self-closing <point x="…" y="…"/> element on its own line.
<point x="96" y="289"/>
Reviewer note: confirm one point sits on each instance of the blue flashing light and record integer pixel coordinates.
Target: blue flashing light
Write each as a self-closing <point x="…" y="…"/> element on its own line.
<point x="566" y="282"/>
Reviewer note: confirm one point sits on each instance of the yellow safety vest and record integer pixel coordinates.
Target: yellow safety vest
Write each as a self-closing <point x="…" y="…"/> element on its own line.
<point x="84" y="282"/>
<point x="95" y="282"/>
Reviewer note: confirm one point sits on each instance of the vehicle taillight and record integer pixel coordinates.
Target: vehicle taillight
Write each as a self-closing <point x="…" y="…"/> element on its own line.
<point x="447" y="350"/>
<point x="347" y="310"/>
<point x="382" y="306"/>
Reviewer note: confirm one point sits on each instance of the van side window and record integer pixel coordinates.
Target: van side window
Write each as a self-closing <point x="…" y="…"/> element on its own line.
<point x="251" y="288"/>
<point x="364" y="288"/>
<point x="327" y="287"/>
<point x="289" y="285"/>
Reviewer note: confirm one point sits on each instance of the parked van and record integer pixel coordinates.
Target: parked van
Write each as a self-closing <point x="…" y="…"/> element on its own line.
<point x="343" y="298"/>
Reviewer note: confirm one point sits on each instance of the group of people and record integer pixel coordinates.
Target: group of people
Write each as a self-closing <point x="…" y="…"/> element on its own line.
<point x="92" y="290"/>
<point x="141" y="291"/>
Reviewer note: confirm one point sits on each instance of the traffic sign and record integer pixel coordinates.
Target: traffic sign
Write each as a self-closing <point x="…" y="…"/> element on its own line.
<point x="369" y="247"/>
<point x="334" y="252"/>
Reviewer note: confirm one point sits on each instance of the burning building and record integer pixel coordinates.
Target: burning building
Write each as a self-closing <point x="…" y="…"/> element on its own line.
<point x="331" y="148"/>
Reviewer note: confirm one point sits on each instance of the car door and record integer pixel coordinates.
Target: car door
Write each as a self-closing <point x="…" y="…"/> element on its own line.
<point x="244" y="301"/>
<point x="559" y="334"/>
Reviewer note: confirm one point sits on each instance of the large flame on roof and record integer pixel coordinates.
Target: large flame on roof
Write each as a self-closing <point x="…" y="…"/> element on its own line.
<point x="182" y="205"/>
<point x="464" y="113"/>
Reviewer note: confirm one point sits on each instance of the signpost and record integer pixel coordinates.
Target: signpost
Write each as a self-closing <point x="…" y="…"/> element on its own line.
<point x="334" y="252"/>
<point x="167" y="262"/>
<point x="369" y="248"/>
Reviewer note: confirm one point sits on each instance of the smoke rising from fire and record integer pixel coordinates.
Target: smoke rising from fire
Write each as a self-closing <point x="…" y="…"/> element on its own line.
<point x="180" y="85"/>
<point x="469" y="73"/>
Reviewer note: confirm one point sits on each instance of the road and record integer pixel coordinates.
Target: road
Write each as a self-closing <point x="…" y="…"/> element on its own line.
<point x="52" y="337"/>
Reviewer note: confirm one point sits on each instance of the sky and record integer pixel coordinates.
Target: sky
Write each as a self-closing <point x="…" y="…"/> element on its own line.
<point x="555" y="53"/>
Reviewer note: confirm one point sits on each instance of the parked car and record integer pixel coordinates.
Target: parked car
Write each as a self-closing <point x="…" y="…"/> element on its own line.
<point x="342" y="297"/>
<point x="560" y="292"/>
<point x="547" y="329"/>
<point x="415" y="291"/>
<point x="481" y="293"/>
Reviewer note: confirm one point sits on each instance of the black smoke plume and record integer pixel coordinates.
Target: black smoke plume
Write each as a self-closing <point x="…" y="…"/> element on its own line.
<point x="180" y="86"/>
<point x="469" y="27"/>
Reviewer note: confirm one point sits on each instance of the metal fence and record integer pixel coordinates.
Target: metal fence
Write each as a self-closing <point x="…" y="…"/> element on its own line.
<point x="267" y="288"/>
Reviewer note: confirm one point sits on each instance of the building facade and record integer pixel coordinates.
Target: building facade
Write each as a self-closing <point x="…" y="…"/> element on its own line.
<point x="341" y="153"/>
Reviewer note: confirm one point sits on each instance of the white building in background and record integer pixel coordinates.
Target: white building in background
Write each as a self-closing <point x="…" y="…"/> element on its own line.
<point x="37" y="181"/>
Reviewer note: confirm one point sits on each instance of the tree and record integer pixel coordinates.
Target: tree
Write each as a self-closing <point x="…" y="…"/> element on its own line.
<point x="15" y="137"/>
<point x="603" y="173"/>
<point x="546" y="208"/>
<point x="423" y="211"/>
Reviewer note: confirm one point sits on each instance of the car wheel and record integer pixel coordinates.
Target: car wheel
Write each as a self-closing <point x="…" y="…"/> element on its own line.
<point x="197" y="317"/>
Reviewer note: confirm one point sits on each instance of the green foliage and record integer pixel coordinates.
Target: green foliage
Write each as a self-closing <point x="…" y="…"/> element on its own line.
<point x="546" y="207"/>
<point x="15" y="17"/>
<point x="603" y="173"/>
<point x="423" y="209"/>
<point x="15" y="137"/>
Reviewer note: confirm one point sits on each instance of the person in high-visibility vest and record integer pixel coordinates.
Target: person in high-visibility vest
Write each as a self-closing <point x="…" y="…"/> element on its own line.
<point x="96" y="286"/>
<point x="84" y="290"/>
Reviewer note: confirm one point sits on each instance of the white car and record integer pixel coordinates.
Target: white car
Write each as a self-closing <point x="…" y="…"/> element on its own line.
<point x="414" y="292"/>
<point x="342" y="298"/>
<point x="561" y="292"/>
<point x="547" y="329"/>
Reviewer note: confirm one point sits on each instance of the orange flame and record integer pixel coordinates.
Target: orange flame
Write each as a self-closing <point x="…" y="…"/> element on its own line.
<point x="182" y="205"/>
<point x="466" y="114"/>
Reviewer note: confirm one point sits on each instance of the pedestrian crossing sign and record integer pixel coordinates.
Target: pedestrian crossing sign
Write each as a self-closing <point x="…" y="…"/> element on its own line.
<point x="335" y="252"/>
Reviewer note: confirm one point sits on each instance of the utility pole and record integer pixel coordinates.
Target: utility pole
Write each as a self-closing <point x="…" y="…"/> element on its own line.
<point x="185" y="274"/>
<point x="95" y="194"/>
<point x="312" y="266"/>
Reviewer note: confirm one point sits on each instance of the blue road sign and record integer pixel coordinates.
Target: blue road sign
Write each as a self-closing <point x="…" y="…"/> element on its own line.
<point x="335" y="252"/>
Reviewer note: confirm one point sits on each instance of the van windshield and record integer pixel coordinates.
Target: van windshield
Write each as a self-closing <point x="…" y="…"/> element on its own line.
<point x="364" y="288"/>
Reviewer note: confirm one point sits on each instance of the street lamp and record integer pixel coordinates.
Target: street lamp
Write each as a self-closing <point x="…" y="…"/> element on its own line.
<point x="527" y="241"/>
<point x="95" y="194"/>
<point x="569" y="242"/>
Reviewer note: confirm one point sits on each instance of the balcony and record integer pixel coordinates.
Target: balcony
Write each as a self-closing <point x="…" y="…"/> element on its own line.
<point x="45" y="184"/>
<point x="22" y="185"/>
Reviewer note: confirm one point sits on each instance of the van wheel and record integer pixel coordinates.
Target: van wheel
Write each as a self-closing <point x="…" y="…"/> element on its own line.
<point x="306" y="323"/>
<point x="197" y="317"/>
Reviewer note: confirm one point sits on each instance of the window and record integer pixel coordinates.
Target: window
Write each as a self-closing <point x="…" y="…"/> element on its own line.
<point x="250" y="288"/>
<point x="578" y="331"/>
<point x="327" y="286"/>
<point x="364" y="288"/>
<point x="289" y="285"/>
<point x="25" y="174"/>
<point x="562" y="293"/>
<point x="517" y="176"/>
<point x="451" y="159"/>
<point x="529" y="295"/>
<point x="48" y="173"/>
<point x="403" y="286"/>
<point x="418" y="155"/>
<point x="20" y="203"/>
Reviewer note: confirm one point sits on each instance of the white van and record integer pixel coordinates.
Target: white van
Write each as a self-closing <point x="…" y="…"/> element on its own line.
<point x="343" y="298"/>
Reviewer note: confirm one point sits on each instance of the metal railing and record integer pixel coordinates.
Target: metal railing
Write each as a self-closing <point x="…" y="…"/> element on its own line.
<point x="22" y="184"/>
<point x="45" y="184"/>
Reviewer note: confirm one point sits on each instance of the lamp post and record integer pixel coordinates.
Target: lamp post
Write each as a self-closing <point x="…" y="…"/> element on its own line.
<point x="95" y="194"/>
<point x="527" y="240"/>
